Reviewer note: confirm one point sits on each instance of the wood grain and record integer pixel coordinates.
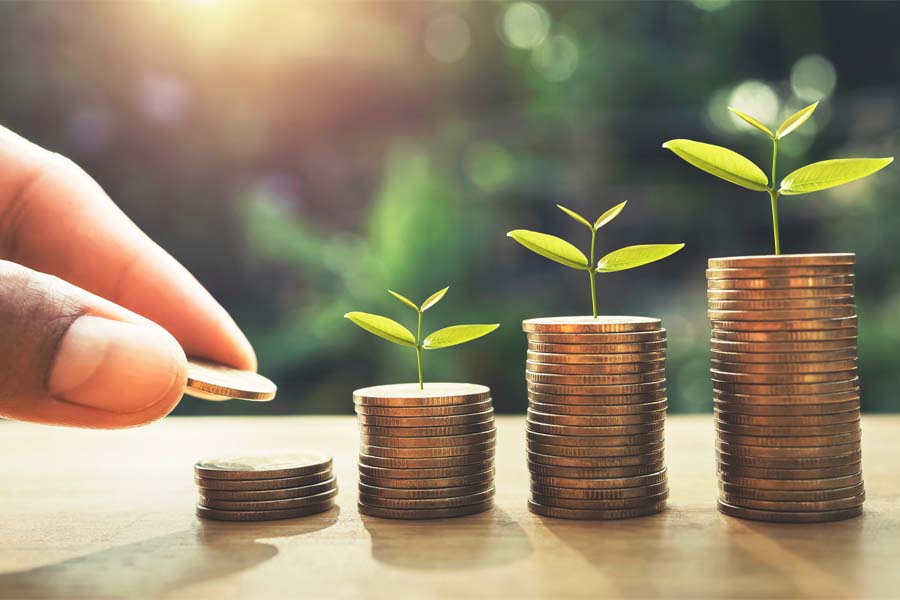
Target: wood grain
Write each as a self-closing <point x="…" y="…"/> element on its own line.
<point x="94" y="514"/>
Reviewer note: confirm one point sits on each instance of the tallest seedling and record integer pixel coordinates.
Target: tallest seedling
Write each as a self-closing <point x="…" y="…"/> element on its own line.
<point x="731" y="166"/>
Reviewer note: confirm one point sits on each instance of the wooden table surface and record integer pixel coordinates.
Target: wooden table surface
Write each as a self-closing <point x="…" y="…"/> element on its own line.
<point x="110" y="514"/>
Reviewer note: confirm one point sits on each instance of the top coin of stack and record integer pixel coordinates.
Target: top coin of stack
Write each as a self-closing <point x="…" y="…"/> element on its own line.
<point x="263" y="486"/>
<point x="425" y="453"/>
<point x="596" y="412"/>
<point x="784" y="371"/>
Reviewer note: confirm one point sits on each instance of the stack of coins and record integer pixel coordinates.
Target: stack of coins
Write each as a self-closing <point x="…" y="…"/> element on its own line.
<point x="425" y="453"/>
<point x="784" y="361"/>
<point x="596" y="413"/>
<point x="265" y="486"/>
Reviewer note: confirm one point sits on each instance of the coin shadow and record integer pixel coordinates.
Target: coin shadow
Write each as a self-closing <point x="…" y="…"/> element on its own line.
<point x="476" y="541"/>
<point x="164" y="564"/>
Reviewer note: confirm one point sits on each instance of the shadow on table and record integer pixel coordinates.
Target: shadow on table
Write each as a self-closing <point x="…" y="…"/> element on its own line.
<point x="161" y="565"/>
<point x="482" y="540"/>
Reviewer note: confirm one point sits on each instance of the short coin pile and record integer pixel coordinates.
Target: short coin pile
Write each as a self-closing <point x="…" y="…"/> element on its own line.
<point x="265" y="486"/>
<point x="784" y="362"/>
<point x="596" y="416"/>
<point x="425" y="454"/>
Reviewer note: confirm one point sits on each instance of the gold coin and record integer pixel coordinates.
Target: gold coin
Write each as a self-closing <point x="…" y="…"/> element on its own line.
<point x="416" y="494"/>
<point x="448" y="421"/>
<point x="440" y="452"/>
<point x="793" y="484"/>
<point x="786" y="430"/>
<point x="778" y="326"/>
<point x="785" y="367"/>
<point x="597" y="359"/>
<point x="783" y="303"/>
<point x="812" y="462"/>
<point x="823" y="281"/>
<point x="393" y="441"/>
<point x="428" y="483"/>
<point x="604" y="369"/>
<point x="782" y="506"/>
<point x="424" y="411"/>
<point x="782" y="260"/>
<point x="831" y="312"/>
<point x="595" y="462"/>
<point x="605" y="505"/>
<point x="433" y="394"/>
<point x="790" y="442"/>
<point x="576" y="431"/>
<point x="836" y="399"/>
<point x="766" y="473"/>
<point x="425" y="473"/>
<point x="596" y="420"/>
<point x="430" y="432"/>
<point x="840" y="345"/>
<point x="426" y="503"/>
<point x="600" y="484"/>
<point x="266" y="464"/>
<point x="637" y="337"/>
<point x="263" y="484"/>
<point x="594" y="349"/>
<point x="594" y="473"/>
<point x="784" y="357"/>
<point x="745" y="408"/>
<point x="580" y="324"/>
<point x="779" y="272"/>
<point x="653" y="377"/>
<point x="262" y="515"/>
<point x="595" y="452"/>
<point x="589" y="398"/>
<point x="623" y="410"/>
<point x="847" y="334"/>
<point x="787" y="421"/>
<point x="428" y="513"/>
<point x="428" y="463"/>
<point x="843" y="293"/>
<point x="781" y="378"/>
<point x="212" y="381"/>
<point x="643" y="491"/>
<point x="570" y="513"/>
<point x="792" y="495"/>
<point x="602" y="440"/>
<point x="266" y="505"/>
<point x="791" y="389"/>
<point x="789" y="517"/>
<point x="277" y="494"/>
<point x="785" y="453"/>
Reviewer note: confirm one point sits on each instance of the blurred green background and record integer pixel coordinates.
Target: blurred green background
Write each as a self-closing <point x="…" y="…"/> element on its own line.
<point x="301" y="158"/>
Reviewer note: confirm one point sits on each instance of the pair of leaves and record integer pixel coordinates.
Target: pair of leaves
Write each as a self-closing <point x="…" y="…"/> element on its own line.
<point x="429" y="302"/>
<point x="602" y="220"/>
<point x="731" y="166"/>
<point x="790" y="124"/>
<point x="393" y="331"/>
<point x="561" y="251"/>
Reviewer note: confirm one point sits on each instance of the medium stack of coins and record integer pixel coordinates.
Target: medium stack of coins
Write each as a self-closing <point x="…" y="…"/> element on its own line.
<point x="265" y="486"/>
<point x="596" y="416"/>
<point x="425" y="453"/>
<point x="784" y="360"/>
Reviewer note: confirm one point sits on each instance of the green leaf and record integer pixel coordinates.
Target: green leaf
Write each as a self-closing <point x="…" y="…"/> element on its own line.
<point x="795" y="120"/>
<point x="404" y="300"/>
<point x="434" y="299"/>
<point x="635" y="256"/>
<point x="830" y="173"/>
<point x="551" y="247"/>
<point x="574" y="215"/>
<point x="388" y="329"/>
<point x="721" y="162"/>
<point x="751" y="121"/>
<point x="457" y="334"/>
<point x="609" y="215"/>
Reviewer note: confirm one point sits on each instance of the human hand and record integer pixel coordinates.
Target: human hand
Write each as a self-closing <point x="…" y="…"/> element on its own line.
<point x="95" y="318"/>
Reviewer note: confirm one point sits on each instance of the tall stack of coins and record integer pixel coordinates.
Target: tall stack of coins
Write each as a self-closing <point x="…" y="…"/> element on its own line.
<point x="596" y="413"/>
<point x="784" y="361"/>
<point x="425" y="453"/>
<point x="265" y="486"/>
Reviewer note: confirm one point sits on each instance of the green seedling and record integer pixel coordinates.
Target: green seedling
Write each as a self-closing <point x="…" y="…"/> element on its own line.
<point x="394" y="332"/>
<point x="731" y="166"/>
<point x="558" y="249"/>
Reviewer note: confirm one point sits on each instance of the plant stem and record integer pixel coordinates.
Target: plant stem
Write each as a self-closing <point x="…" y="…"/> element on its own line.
<point x="592" y="273"/>
<point x="773" y="195"/>
<point x="419" y="350"/>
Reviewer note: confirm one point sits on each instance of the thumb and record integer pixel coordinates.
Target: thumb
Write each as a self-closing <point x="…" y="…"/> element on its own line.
<point x="68" y="357"/>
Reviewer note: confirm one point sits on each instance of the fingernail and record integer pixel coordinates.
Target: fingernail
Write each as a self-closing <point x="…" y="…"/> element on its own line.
<point x="116" y="366"/>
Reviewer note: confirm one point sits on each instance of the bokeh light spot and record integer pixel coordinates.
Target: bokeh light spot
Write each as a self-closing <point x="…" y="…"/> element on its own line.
<point x="557" y="58"/>
<point x="757" y="100"/>
<point x="717" y="112"/>
<point x="447" y="38"/>
<point x="525" y="25"/>
<point x="813" y="78"/>
<point x="711" y="5"/>
<point x="488" y="165"/>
